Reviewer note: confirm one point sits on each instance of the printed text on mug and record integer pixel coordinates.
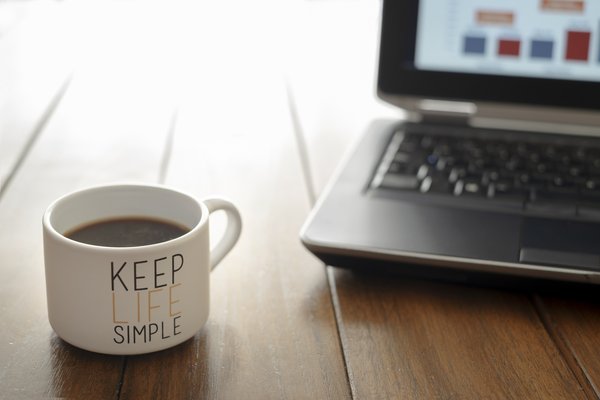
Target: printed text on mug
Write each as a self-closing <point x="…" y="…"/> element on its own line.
<point x="145" y="297"/>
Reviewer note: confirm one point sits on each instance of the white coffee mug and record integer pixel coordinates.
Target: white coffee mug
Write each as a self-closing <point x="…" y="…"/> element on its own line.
<point x="131" y="300"/>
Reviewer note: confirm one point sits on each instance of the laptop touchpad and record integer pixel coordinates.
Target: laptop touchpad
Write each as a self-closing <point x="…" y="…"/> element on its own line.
<point x="560" y="243"/>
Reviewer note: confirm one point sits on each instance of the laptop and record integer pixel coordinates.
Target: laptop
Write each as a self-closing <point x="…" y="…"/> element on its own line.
<point x="496" y="171"/>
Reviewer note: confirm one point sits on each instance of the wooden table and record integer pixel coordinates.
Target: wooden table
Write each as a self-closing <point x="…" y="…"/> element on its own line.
<point x="256" y="101"/>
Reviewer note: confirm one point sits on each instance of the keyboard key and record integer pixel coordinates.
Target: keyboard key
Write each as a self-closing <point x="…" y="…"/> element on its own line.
<point x="472" y="188"/>
<point x="592" y="185"/>
<point x="541" y="168"/>
<point x="422" y="172"/>
<point x="397" y="181"/>
<point x="549" y="152"/>
<point x="402" y="157"/>
<point x="426" y="184"/>
<point x="580" y="154"/>
<point x="512" y="164"/>
<point x="403" y="167"/>
<point x="576" y="170"/>
<point x="436" y="184"/>
<point x="504" y="192"/>
<point x="489" y="176"/>
<point x="397" y="167"/>
<point x="456" y="174"/>
<point x="468" y="187"/>
<point x="432" y="159"/>
<point x="427" y="142"/>
<point x="444" y="164"/>
<point x="408" y="146"/>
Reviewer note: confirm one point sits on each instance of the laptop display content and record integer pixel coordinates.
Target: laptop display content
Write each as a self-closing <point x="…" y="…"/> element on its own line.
<point x="497" y="169"/>
<point x="555" y="39"/>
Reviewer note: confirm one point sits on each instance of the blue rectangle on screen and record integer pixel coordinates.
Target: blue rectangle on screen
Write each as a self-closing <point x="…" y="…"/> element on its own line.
<point x="542" y="48"/>
<point x="474" y="45"/>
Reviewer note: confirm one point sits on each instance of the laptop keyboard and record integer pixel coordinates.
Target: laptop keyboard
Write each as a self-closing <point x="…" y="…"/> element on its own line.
<point x="553" y="176"/>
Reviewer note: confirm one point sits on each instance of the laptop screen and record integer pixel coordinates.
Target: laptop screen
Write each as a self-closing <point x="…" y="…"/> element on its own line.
<point x="532" y="52"/>
<point x="556" y="39"/>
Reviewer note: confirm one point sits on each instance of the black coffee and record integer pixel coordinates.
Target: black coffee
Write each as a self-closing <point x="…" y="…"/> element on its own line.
<point x="127" y="232"/>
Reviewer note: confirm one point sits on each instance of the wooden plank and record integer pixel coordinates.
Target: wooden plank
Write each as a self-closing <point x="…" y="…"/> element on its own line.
<point x="574" y="323"/>
<point x="271" y="332"/>
<point x="331" y="73"/>
<point x="405" y="338"/>
<point x="37" y="59"/>
<point x="416" y="339"/>
<point x="112" y="125"/>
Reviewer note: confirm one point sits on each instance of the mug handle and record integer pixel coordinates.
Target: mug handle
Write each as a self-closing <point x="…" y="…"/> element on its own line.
<point x="232" y="233"/>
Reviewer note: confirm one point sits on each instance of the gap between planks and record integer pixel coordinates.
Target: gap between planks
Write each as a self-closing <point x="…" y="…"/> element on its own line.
<point x="310" y="189"/>
<point x="35" y="133"/>
<point x="564" y="348"/>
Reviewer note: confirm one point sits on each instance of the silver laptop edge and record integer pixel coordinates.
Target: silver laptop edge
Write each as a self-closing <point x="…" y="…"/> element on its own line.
<point x="500" y="115"/>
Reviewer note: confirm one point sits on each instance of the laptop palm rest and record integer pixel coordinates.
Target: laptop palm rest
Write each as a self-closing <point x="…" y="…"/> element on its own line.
<point x="560" y="243"/>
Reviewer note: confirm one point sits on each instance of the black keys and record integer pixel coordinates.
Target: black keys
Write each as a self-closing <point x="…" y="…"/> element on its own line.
<point x="403" y="163"/>
<point x="436" y="184"/>
<point x="468" y="187"/>
<point x="556" y="178"/>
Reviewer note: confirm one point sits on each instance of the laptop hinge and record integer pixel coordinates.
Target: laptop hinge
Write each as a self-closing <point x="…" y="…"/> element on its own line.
<point x="446" y="112"/>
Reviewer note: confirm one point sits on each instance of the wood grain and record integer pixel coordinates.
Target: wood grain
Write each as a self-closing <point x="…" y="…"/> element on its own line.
<point x="573" y="320"/>
<point x="271" y="333"/>
<point x="416" y="339"/>
<point x="110" y="126"/>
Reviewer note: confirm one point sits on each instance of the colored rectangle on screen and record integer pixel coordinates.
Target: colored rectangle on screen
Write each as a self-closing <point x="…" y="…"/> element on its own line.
<point x="563" y="5"/>
<point x="495" y="17"/>
<point x="542" y="49"/>
<point x="578" y="45"/>
<point x="474" y="45"/>
<point x="509" y="47"/>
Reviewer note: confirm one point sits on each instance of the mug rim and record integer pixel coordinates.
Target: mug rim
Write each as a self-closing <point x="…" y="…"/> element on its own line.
<point x="49" y="227"/>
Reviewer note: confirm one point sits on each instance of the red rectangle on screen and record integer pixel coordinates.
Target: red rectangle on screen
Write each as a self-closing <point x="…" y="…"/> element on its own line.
<point x="578" y="45"/>
<point x="509" y="47"/>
